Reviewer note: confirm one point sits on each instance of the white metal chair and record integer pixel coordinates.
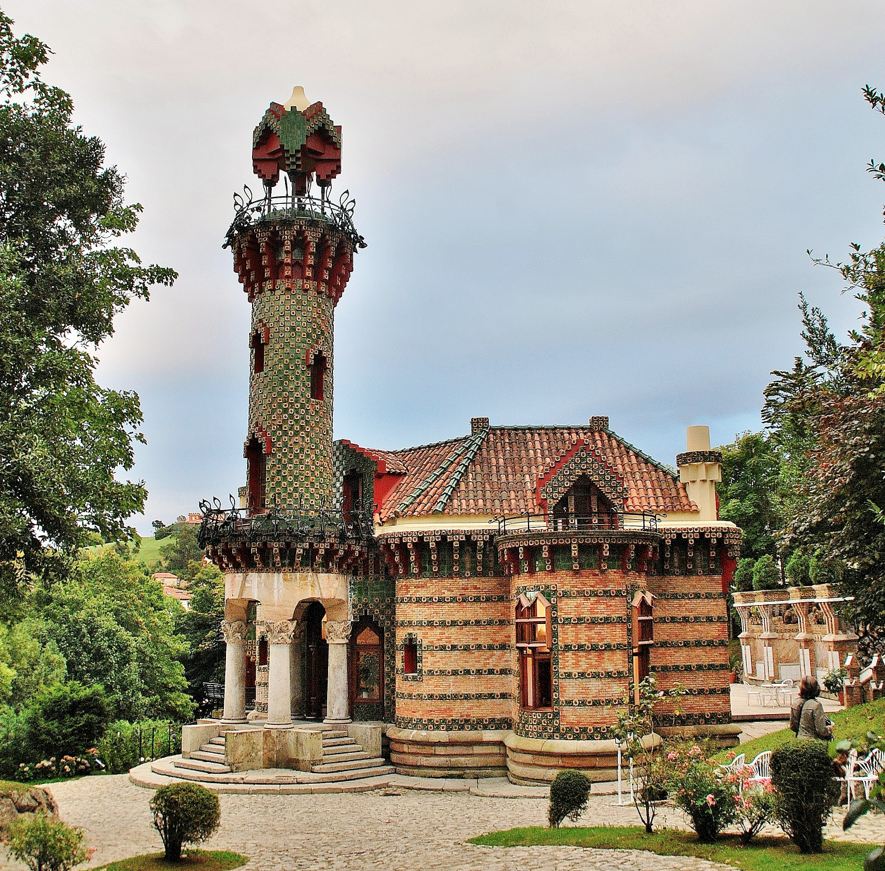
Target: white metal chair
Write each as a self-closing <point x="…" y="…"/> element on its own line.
<point x="761" y="766"/>
<point x="866" y="772"/>
<point x="736" y="764"/>
<point x="784" y="689"/>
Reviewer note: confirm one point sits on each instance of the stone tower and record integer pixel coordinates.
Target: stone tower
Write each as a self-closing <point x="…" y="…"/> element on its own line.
<point x="293" y="252"/>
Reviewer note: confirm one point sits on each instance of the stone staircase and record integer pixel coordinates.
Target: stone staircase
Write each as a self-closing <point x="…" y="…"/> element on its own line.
<point x="209" y="759"/>
<point x="343" y="759"/>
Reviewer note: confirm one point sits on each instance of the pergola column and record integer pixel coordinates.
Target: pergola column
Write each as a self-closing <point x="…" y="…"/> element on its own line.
<point x="337" y="636"/>
<point x="279" y="673"/>
<point x="234" y="632"/>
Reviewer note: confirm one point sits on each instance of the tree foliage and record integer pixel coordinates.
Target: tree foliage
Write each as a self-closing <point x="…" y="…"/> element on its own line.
<point x="62" y="280"/>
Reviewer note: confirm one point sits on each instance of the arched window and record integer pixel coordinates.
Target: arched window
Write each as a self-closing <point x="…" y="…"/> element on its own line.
<point x="643" y="637"/>
<point x="367" y="663"/>
<point x="318" y="376"/>
<point x="533" y="639"/>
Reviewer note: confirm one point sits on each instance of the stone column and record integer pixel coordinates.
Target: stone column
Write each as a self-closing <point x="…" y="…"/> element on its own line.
<point x="295" y="669"/>
<point x="279" y="676"/>
<point x="234" y="632"/>
<point x="337" y="635"/>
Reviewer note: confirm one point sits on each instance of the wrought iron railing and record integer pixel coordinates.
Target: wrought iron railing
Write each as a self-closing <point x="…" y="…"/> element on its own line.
<point x="599" y="521"/>
<point x="250" y="209"/>
<point x="232" y="526"/>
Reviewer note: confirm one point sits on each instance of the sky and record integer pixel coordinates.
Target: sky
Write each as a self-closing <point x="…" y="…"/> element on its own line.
<point x="571" y="208"/>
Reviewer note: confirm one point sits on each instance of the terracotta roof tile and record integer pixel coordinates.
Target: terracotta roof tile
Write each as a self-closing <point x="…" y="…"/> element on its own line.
<point x="496" y="471"/>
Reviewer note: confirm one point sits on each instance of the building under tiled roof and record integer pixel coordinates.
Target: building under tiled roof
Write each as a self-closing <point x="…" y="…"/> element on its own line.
<point x="499" y="469"/>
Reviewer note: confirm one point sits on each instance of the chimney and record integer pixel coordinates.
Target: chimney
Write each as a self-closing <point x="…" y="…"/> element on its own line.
<point x="699" y="469"/>
<point x="598" y="422"/>
<point x="478" y="424"/>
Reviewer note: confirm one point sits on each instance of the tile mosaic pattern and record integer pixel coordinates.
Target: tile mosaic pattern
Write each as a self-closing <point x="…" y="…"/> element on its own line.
<point x="374" y="597"/>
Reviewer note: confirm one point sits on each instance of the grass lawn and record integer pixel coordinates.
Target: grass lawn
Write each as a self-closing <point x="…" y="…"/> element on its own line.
<point x="852" y="723"/>
<point x="204" y="860"/>
<point x="763" y="854"/>
<point x="149" y="552"/>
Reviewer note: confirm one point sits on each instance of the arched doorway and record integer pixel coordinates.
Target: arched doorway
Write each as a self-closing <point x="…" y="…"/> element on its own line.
<point x="367" y="670"/>
<point x="316" y="662"/>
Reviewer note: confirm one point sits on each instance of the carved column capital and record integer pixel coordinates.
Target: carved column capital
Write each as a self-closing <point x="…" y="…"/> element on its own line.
<point x="234" y="631"/>
<point x="338" y="631"/>
<point x="281" y="632"/>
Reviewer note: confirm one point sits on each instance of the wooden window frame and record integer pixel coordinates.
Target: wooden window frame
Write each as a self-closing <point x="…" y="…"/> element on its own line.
<point x="535" y="652"/>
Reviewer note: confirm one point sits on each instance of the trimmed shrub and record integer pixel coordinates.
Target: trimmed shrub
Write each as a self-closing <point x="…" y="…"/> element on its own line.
<point x="67" y="720"/>
<point x="743" y="575"/>
<point x="569" y="794"/>
<point x="45" y="843"/>
<point x="798" y="570"/>
<point x="765" y="573"/>
<point x="184" y="813"/>
<point x="802" y="777"/>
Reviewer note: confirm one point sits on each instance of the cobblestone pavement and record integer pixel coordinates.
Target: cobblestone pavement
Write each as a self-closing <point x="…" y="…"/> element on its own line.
<point x="404" y="830"/>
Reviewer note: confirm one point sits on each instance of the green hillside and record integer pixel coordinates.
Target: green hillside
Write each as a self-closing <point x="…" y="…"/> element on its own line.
<point x="149" y="552"/>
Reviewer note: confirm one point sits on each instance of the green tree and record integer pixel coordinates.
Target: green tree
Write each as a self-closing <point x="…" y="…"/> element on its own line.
<point x="749" y="492"/>
<point x="115" y="627"/>
<point x="832" y="406"/>
<point x="201" y="627"/>
<point x="62" y="280"/>
<point x="181" y="554"/>
<point x="766" y="575"/>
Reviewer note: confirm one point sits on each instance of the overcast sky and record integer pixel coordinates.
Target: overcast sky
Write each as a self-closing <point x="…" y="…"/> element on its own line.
<point x="571" y="208"/>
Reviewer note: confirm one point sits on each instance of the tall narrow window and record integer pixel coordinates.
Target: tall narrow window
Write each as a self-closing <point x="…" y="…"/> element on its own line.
<point x="257" y="471"/>
<point x="643" y="637"/>
<point x="318" y="376"/>
<point x="256" y="343"/>
<point x="410" y="655"/>
<point x="352" y="495"/>
<point x="533" y="639"/>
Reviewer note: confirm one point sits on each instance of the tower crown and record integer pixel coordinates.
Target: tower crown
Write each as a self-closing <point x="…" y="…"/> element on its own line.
<point x="298" y="139"/>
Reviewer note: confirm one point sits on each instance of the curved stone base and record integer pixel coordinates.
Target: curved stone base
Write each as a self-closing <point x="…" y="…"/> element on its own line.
<point x="721" y="737"/>
<point x="448" y="754"/>
<point x="532" y="761"/>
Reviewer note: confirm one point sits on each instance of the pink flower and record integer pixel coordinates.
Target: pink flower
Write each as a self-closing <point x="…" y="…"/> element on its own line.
<point x="671" y="756"/>
<point x="710" y="800"/>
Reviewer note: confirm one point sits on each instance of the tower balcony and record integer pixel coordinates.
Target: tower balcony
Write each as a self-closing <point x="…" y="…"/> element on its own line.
<point x="290" y="207"/>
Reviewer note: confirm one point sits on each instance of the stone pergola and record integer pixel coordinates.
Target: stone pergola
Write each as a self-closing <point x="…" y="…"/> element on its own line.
<point x="792" y="632"/>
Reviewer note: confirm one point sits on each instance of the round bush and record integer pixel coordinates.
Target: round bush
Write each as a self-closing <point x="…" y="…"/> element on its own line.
<point x="569" y="793"/>
<point x="184" y="813"/>
<point x="45" y="843"/>
<point x="802" y="777"/>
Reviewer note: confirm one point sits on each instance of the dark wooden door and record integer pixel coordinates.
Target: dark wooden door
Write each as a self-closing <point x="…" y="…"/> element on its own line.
<point x="316" y="662"/>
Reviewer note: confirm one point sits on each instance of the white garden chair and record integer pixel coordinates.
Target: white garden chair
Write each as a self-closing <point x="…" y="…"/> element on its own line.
<point x="761" y="766"/>
<point x="866" y="772"/>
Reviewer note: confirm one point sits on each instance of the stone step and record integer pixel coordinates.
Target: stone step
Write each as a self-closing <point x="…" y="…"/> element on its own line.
<point x="352" y="747"/>
<point x="329" y="734"/>
<point x="352" y="765"/>
<point x="216" y="742"/>
<point x="335" y="742"/>
<point x="200" y="765"/>
<point x="208" y="757"/>
<point x="356" y="774"/>
<point x="352" y="756"/>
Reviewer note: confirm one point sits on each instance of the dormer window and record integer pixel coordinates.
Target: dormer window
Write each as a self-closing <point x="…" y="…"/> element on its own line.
<point x="533" y="640"/>
<point x="318" y="376"/>
<point x="584" y="506"/>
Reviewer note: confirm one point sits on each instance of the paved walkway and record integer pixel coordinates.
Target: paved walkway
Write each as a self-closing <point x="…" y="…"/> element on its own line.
<point x="392" y="829"/>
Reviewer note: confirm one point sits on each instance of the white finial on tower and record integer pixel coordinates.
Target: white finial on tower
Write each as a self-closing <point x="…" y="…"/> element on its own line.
<point x="298" y="100"/>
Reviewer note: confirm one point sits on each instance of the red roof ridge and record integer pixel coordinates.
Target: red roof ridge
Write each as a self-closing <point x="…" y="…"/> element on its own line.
<point x="377" y="457"/>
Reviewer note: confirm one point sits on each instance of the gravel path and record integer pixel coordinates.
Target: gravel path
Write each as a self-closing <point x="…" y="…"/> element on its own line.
<point x="403" y="831"/>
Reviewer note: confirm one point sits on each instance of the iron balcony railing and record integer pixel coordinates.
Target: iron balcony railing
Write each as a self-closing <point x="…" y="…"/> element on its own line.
<point x="232" y="526"/>
<point x="250" y="209"/>
<point x="599" y="521"/>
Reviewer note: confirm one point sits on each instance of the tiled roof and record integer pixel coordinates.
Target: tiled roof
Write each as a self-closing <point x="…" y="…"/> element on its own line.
<point x="496" y="471"/>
